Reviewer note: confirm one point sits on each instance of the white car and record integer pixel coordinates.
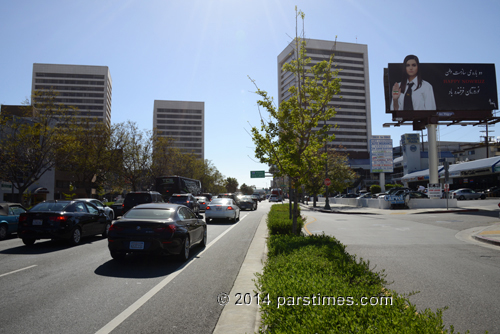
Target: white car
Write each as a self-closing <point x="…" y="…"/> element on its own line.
<point x="107" y="210"/>
<point x="222" y="208"/>
<point x="274" y="198"/>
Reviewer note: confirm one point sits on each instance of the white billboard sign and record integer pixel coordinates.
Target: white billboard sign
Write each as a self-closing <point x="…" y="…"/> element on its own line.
<point x="381" y="160"/>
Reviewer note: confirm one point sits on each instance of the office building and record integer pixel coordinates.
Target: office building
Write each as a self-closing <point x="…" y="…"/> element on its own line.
<point x="85" y="87"/>
<point x="353" y="118"/>
<point x="184" y="121"/>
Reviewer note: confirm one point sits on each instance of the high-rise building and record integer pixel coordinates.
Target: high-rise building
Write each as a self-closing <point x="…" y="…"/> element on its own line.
<point x="353" y="118"/>
<point x="184" y="121"/>
<point x="85" y="87"/>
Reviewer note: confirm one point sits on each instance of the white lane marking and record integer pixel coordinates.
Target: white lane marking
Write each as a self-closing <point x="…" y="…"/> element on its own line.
<point x="15" y="271"/>
<point x="110" y="326"/>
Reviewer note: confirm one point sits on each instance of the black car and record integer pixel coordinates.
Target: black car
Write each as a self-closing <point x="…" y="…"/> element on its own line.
<point x="140" y="197"/>
<point x="62" y="219"/>
<point x="230" y="195"/>
<point x="117" y="207"/>
<point x="158" y="228"/>
<point x="186" y="199"/>
<point x="247" y="203"/>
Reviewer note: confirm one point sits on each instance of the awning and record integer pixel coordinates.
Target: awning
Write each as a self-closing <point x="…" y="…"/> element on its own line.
<point x="421" y="175"/>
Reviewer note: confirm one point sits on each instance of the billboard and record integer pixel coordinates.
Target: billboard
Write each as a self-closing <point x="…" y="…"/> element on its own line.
<point x="443" y="90"/>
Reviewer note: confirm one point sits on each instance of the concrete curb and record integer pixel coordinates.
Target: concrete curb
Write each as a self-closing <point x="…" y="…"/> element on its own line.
<point x="245" y="318"/>
<point x="486" y="240"/>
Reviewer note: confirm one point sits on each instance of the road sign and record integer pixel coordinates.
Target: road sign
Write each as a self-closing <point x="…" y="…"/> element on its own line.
<point x="327" y="182"/>
<point x="257" y="174"/>
<point x="446" y="187"/>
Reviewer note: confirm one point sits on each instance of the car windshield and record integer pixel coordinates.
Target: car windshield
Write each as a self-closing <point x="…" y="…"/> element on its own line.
<point x="245" y="198"/>
<point x="50" y="206"/>
<point x="222" y="201"/>
<point x="178" y="199"/>
<point x="138" y="213"/>
<point x="135" y="199"/>
<point x="119" y="201"/>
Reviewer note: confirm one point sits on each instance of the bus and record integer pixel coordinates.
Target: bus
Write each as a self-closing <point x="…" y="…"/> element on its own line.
<point x="278" y="192"/>
<point x="168" y="185"/>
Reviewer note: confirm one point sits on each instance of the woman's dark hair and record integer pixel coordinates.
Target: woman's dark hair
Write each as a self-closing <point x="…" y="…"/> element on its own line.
<point x="405" y="75"/>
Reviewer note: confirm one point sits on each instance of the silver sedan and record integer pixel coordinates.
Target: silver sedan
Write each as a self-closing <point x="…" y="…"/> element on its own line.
<point x="222" y="208"/>
<point x="466" y="193"/>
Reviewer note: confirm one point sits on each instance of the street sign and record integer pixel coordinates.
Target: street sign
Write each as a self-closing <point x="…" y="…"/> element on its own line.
<point x="327" y="182"/>
<point x="446" y="187"/>
<point x="257" y="174"/>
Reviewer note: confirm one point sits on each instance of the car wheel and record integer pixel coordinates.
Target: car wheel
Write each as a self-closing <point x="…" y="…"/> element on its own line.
<point x="117" y="255"/>
<point x="3" y="232"/>
<point x="483" y="196"/>
<point x="205" y="238"/>
<point x="184" y="255"/>
<point x="111" y="216"/>
<point x="76" y="237"/>
<point x="461" y="198"/>
<point x="28" y="241"/>
<point x="106" y="230"/>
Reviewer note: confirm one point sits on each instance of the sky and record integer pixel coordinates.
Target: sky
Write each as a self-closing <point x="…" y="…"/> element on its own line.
<point x="209" y="50"/>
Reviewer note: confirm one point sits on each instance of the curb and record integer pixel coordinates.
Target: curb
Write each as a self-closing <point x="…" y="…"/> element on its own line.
<point x="246" y="318"/>
<point x="486" y="240"/>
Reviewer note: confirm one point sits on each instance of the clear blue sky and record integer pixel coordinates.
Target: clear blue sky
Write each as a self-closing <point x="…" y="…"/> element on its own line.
<point x="204" y="50"/>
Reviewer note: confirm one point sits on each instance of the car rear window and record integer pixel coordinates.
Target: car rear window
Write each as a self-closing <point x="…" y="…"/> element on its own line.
<point x="50" y="206"/>
<point x="178" y="199"/>
<point x="138" y="213"/>
<point x="136" y="199"/>
<point x="221" y="201"/>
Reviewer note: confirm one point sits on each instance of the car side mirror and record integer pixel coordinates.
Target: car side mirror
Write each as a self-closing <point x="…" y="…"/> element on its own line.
<point x="199" y="216"/>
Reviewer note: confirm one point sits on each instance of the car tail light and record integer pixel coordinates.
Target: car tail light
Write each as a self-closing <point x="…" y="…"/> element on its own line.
<point x="23" y="217"/>
<point x="168" y="228"/>
<point x="229" y="208"/>
<point x="60" y="219"/>
<point x="115" y="228"/>
<point x="208" y="208"/>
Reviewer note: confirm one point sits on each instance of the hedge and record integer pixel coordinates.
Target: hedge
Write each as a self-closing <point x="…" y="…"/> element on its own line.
<point x="310" y="284"/>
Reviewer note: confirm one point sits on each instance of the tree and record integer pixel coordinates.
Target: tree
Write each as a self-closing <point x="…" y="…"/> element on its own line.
<point x="34" y="143"/>
<point x="231" y="184"/>
<point x="246" y="190"/>
<point x="296" y="131"/>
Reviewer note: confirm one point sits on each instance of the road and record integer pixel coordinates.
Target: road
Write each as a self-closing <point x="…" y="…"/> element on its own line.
<point x="429" y="253"/>
<point x="54" y="288"/>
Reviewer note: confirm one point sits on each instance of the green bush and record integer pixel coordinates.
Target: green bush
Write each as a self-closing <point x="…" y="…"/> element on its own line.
<point x="390" y="186"/>
<point x="278" y="221"/>
<point x="375" y="189"/>
<point x="310" y="284"/>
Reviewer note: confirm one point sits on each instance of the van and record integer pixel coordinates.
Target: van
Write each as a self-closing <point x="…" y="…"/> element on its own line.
<point x="140" y="197"/>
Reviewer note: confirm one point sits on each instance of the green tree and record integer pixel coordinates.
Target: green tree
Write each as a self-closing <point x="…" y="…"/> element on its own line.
<point x="33" y="143"/>
<point x="231" y="184"/>
<point x="246" y="190"/>
<point x="295" y="131"/>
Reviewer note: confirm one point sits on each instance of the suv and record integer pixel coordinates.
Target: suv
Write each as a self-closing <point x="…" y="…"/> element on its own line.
<point x="186" y="199"/>
<point x="140" y="197"/>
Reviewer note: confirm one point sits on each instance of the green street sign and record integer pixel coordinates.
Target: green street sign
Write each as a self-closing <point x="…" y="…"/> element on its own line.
<point x="257" y="173"/>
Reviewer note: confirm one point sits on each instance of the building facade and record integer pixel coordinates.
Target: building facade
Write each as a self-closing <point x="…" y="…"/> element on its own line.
<point x="184" y="121"/>
<point x="85" y="87"/>
<point x="353" y="118"/>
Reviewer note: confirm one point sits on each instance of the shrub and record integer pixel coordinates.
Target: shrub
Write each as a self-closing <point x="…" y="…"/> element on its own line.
<point x="278" y="221"/>
<point x="310" y="284"/>
<point x="375" y="188"/>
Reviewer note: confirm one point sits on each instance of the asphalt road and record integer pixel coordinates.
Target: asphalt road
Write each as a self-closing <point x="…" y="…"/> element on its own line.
<point x="54" y="288"/>
<point x="429" y="253"/>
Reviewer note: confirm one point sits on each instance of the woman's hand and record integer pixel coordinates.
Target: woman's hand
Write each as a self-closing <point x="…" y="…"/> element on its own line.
<point x="396" y="92"/>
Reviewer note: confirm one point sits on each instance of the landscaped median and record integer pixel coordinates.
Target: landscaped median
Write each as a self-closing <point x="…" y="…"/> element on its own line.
<point x="310" y="284"/>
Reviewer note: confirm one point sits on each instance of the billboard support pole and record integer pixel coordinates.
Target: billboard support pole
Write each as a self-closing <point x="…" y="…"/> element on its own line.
<point x="433" y="154"/>
<point x="382" y="182"/>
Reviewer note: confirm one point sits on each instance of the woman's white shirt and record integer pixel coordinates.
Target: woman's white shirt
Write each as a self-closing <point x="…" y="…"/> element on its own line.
<point x="422" y="98"/>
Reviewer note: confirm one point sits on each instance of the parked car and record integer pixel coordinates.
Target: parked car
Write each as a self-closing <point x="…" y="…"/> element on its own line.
<point x="466" y="193"/>
<point x="365" y="195"/>
<point x="157" y="229"/>
<point x="109" y="212"/>
<point x="224" y="208"/>
<point x="203" y="202"/>
<point x="140" y="197"/>
<point x="62" y="219"/>
<point x="9" y="217"/>
<point x="417" y="194"/>
<point x="186" y="199"/>
<point x="247" y="203"/>
<point x="117" y="207"/>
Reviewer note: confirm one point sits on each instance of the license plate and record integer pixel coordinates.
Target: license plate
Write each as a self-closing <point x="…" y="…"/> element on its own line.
<point x="218" y="209"/>
<point x="37" y="222"/>
<point x="137" y="245"/>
